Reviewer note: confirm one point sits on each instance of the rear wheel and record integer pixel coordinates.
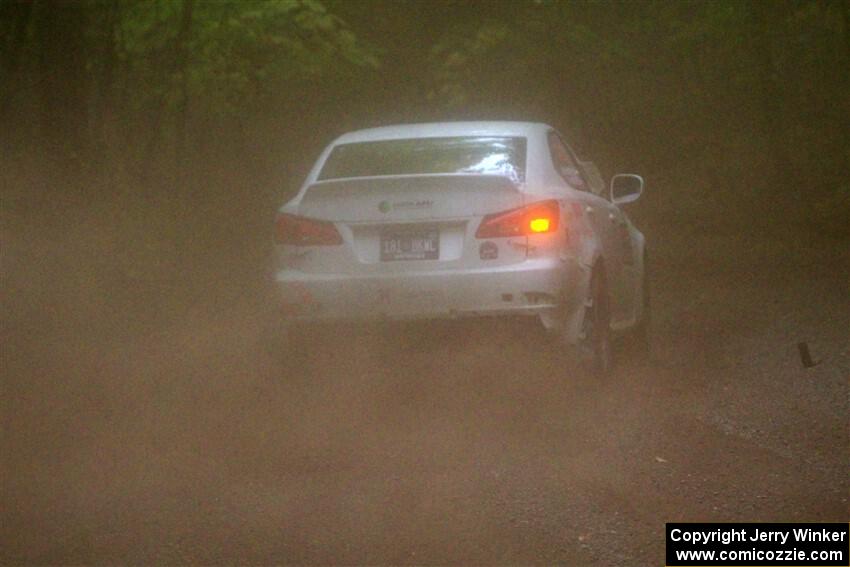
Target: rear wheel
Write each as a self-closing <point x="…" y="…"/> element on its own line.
<point x="639" y="340"/>
<point x="642" y="335"/>
<point x="595" y="348"/>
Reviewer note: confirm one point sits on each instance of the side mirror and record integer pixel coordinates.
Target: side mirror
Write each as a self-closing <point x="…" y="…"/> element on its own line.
<point x="626" y="188"/>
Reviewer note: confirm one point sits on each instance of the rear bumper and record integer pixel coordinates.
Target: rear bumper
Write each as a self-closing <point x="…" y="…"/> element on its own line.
<point x="531" y="287"/>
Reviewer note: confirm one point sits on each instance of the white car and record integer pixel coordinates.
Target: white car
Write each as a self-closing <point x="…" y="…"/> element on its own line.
<point x="460" y="219"/>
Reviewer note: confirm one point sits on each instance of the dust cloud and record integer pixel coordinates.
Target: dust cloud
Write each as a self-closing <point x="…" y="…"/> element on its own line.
<point x="145" y="418"/>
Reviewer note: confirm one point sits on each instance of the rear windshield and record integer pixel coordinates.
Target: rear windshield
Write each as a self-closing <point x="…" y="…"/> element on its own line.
<point x="466" y="154"/>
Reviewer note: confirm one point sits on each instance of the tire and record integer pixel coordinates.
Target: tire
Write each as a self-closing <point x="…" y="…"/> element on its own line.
<point x="642" y="334"/>
<point x="595" y="342"/>
<point x="640" y="341"/>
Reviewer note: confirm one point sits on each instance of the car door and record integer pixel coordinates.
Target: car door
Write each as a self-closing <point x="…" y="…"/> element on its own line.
<point x="607" y="222"/>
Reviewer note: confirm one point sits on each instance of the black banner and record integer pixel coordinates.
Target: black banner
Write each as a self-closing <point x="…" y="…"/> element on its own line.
<point x="761" y="545"/>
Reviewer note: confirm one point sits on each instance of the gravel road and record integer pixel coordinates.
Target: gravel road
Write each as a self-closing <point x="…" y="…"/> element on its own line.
<point x="454" y="444"/>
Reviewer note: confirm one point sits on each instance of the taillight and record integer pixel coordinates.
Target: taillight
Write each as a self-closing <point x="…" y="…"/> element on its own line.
<point x="536" y="218"/>
<point x="301" y="231"/>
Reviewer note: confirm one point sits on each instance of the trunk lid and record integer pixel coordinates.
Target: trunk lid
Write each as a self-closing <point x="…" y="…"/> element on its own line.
<point x="409" y="198"/>
<point x="409" y="223"/>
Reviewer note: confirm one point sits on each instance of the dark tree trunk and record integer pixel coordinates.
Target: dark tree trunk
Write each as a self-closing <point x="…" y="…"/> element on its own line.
<point x="845" y="15"/>
<point x="766" y="18"/>
<point x="18" y="13"/>
<point x="62" y="83"/>
<point x="176" y="69"/>
<point x="181" y="66"/>
<point x="104" y="87"/>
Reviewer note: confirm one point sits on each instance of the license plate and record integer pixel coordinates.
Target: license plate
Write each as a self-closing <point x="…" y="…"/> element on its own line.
<point x="402" y="244"/>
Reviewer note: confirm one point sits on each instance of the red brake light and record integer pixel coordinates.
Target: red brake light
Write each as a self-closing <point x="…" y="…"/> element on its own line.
<point x="301" y="231"/>
<point x="536" y="218"/>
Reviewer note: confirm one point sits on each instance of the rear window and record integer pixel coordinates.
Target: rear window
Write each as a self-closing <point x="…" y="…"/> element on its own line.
<point x="466" y="154"/>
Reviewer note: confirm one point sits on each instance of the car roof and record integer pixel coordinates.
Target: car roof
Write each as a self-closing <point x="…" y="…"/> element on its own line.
<point x="444" y="129"/>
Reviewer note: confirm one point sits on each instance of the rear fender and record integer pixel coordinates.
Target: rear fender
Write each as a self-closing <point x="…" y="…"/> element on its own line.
<point x="568" y="322"/>
<point x="575" y="317"/>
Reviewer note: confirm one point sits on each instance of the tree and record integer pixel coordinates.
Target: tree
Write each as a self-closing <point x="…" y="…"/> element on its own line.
<point x="62" y="81"/>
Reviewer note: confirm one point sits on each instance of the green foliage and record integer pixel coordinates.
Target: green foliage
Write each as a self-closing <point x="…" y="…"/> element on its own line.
<point x="499" y="52"/>
<point x="238" y="51"/>
<point x="719" y="99"/>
